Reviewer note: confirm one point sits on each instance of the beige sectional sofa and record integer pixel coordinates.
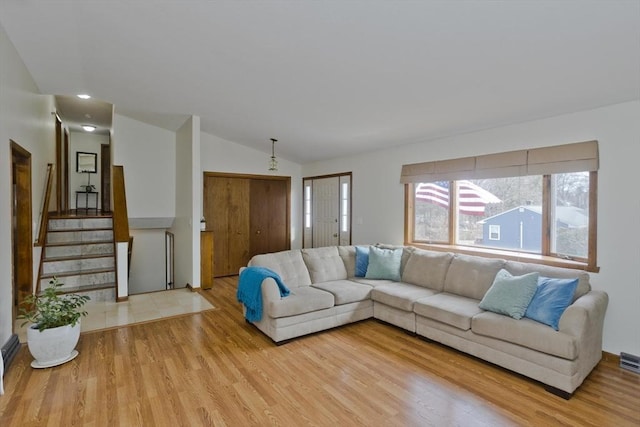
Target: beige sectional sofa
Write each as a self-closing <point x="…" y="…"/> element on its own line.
<point x="437" y="298"/>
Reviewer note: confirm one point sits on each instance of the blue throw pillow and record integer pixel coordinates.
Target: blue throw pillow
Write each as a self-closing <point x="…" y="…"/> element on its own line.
<point x="362" y="260"/>
<point x="384" y="263"/>
<point x="509" y="294"/>
<point x="552" y="298"/>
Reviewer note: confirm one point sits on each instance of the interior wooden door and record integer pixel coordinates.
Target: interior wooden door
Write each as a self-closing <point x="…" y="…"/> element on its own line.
<point x="21" y="234"/>
<point x="269" y="216"/>
<point x="248" y="214"/>
<point x="226" y="211"/>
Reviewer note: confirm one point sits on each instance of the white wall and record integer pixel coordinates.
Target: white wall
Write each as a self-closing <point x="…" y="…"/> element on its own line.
<point x="147" y="154"/>
<point x="186" y="227"/>
<point x="148" y="264"/>
<point x="25" y="117"/>
<point x="378" y="196"/>
<point x="220" y="155"/>
<point x="86" y="143"/>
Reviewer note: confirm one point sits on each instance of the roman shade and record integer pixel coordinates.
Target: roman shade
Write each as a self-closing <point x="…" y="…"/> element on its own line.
<point x="576" y="157"/>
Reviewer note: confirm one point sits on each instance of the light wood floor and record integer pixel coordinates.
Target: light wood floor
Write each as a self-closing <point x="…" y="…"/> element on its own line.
<point x="213" y="368"/>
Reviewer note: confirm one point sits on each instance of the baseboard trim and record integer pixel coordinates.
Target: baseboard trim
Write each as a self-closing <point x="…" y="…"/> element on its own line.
<point x="610" y="357"/>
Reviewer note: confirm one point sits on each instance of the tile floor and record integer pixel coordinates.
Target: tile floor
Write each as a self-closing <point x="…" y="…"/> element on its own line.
<point x="139" y="308"/>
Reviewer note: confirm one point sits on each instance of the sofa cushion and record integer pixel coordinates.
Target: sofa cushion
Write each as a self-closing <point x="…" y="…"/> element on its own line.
<point x="454" y="310"/>
<point x="427" y="268"/>
<point x="406" y="253"/>
<point x="400" y="295"/>
<point x="362" y="260"/>
<point x="510" y="295"/>
<point x="527" y="333"/>
<point x="348" y="255"/>
<point x="374" y="283"/>
<point x="301" y="300"/>
<point x="345" y="291"/>
<point x="288" y="264"/>
<point x="551" y="299"/>
<point x="471" y="276"/>
<point x="519" y="268"/>
<point x="324" y="264"/>
<point x="384" y="263"/>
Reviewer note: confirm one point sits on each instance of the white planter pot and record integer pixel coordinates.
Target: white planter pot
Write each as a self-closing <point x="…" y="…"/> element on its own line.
<point x="54" y="346"/>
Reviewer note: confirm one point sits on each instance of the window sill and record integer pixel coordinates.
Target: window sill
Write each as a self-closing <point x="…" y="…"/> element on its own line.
<point x="509" y="255"/>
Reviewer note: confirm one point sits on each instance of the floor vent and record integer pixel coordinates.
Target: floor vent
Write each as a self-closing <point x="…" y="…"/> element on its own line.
<point x="630" y="362"/>
<point x="9" y="350"/>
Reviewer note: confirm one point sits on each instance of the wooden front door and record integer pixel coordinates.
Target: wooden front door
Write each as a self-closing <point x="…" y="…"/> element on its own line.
<point x="248" y="215"/>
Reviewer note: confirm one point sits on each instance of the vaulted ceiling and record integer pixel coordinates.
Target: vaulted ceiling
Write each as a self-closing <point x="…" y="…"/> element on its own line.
<point x="333" y="78"/>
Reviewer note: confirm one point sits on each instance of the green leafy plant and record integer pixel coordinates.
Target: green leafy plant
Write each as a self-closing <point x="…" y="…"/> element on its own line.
<point x="53" y="308"/>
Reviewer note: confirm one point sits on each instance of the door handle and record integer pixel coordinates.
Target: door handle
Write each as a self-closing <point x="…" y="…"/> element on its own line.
<point x="258" y="231"/>
<point x="335" y="234"/>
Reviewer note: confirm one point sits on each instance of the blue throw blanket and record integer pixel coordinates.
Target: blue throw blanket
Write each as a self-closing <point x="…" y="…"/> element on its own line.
<point x="250" y="290"/>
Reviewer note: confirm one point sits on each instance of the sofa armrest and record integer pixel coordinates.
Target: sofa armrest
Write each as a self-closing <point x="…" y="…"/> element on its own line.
<point x="270" y="293"/>
<point x="270" y="290"/>
<point x="585" y="315"/>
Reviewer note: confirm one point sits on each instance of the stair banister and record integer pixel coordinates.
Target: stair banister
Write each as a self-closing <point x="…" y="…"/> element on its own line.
<point x="44" y="212"/>
<point x="120" y="233"/>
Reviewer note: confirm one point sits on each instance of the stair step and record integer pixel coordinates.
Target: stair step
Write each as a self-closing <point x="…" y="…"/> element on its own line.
<point x="80" y="278"/>
<point x="80" y="242"/>
<point x="62" y="265"/>
<point x="80" y="223"/>
<point x="97" y="293"/>
<point x="55" y="237"/>
<point x="72" y="257"/>
<point x="63" y="230"/>
<point x="79" y="249"/>
<point x="87" y="288"/>
<point x="77" y="273"/>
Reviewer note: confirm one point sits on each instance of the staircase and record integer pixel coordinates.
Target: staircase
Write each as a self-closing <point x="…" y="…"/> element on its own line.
<point x="79" y="251"/>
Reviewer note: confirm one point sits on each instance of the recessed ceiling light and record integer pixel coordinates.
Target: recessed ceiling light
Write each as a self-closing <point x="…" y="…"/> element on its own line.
<point x="88" y="128"/>
<point x="84" y="96"/>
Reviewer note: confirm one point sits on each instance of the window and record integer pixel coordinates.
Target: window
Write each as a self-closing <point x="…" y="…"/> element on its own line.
<point x="344" y="207"/>
<point x="307" y="205"/>
<point x="535" y="207"/>
<point x="494" y="232"/>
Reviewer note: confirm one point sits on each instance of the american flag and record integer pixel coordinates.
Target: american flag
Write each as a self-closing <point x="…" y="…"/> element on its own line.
<point x="471" y="198"/>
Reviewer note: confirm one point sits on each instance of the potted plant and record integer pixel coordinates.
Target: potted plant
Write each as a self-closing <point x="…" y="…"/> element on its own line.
<point x="55" y="328"/>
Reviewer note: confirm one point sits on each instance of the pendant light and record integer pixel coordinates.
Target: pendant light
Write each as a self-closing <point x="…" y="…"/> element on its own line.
<point x="273" y="162"/>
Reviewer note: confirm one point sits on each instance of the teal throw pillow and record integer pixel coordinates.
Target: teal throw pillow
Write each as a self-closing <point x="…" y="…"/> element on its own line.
<point x="551" y="299"/>
<point x="510" y="295"/>
<point x="362" y="260"/>
<point x="384" y="263"/>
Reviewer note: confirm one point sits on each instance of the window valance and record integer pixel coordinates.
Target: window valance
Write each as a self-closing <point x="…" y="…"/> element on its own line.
<point x="576" y="157"/>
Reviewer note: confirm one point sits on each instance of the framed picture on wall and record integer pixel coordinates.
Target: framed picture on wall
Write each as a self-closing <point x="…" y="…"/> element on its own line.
<point x="86" y="162"/>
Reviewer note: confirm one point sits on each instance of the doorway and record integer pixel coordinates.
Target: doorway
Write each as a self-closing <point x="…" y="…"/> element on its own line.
<point x="21" y="234"/>
<point x="105" y="173"/>
<point x="327" y="210"/>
